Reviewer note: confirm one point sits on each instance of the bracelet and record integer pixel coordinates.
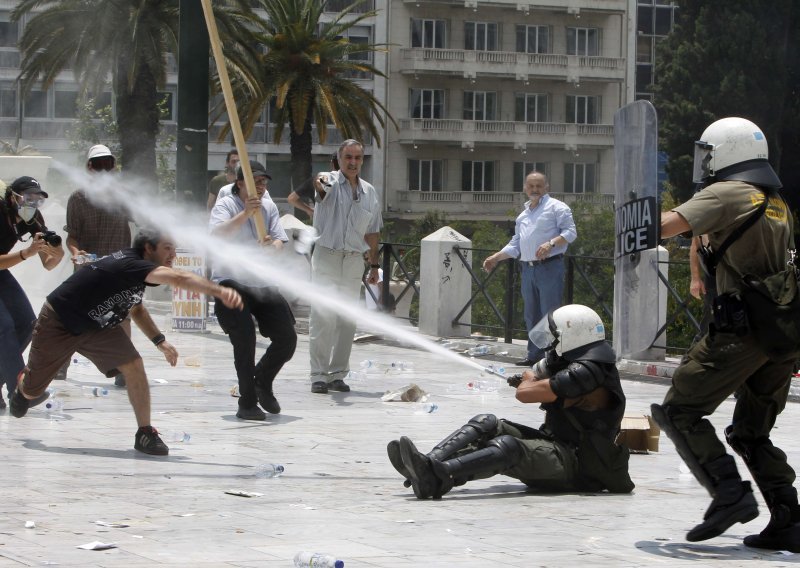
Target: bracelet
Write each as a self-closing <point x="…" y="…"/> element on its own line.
<point x="158" y="339"/>
<point x="21" y="256"/>
<point x="374" y="265"/>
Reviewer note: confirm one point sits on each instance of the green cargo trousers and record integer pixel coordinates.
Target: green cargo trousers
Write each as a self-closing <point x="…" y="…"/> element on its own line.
<point x="716" y="367"/>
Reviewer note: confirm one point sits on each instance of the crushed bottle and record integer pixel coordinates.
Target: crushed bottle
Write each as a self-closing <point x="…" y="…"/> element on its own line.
<point x="94" y="391"/>
<point x="85" y="258"/>
<point x="268" y="470"/>
<point x="176" y="436"/>
<point x="425" y="407"/>
<point x="305" y="559"/>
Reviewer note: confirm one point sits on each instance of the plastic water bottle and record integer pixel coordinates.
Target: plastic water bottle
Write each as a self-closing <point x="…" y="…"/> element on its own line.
<point x="402" y="365"/>
<point x="85" y="258"/>
<point x="370" y="365"/>
<point x="94" y="391"/>
<point x="425" y="407"/>
<point x="479" y="350"/>
<point x="496" y="369"/>
<point x="53" y="405"/>
<point x="356" y="377"/>
<point x="177" y="436"/>
<point x="482" y="386"/>
<point x="316" y="560"/>
<point x="268" y="470"/>
<point x="81" y="361"/>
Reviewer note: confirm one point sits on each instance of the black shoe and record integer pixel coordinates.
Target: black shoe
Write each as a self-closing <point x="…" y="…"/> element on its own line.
<point x="780" y="534"/>
<point x="267" y="400"/>
<point x="319" y="387"/>
<point x="423" y="479"/>
<point x="733" y="504"/>
<point x="393" y="449"/>
<point x="149" y="442"/>
<point x="119" y="381"/>
<point x="254" y="413"/>
<point x="19" y="405"/>
<point x="339" y="386"/>
<point x="525" y="363"/>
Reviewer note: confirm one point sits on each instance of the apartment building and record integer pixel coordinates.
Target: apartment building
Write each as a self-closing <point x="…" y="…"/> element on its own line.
<point x="43" y="118"/>
<point x="486" y="90"/>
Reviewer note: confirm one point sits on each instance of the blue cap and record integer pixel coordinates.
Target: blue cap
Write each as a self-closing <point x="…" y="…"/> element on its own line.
<point x="338" y="564"/>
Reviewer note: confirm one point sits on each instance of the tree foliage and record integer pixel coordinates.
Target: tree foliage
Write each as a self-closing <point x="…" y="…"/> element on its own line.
<point x="730" y="58"/>
<point x="306" y="69"/>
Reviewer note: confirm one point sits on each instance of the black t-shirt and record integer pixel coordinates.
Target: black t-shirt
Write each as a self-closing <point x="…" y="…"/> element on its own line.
<point x="306" y="190"/>
<point x="102" y="294"/>
<point x="10" y="232"/>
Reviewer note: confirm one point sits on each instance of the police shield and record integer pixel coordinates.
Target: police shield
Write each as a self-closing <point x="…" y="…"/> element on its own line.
<point x="636" y="284"/>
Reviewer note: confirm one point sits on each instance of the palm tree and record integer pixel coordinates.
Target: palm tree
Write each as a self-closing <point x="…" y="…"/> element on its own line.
<point x="304" y="69"/>
<point x="126" y="40"/>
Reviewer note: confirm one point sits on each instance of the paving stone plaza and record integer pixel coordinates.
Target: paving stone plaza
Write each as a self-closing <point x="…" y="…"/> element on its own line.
<point x="73" y="477"/>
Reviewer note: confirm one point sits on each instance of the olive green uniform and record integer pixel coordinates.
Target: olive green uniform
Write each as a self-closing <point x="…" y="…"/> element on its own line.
<point x="723" y="363"/>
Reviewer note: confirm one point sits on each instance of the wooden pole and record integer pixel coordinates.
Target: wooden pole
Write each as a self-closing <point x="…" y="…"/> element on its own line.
<point x="233" y="116"/>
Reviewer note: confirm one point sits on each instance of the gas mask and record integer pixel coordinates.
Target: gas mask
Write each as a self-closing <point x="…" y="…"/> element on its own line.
<point x="28" y="204"/>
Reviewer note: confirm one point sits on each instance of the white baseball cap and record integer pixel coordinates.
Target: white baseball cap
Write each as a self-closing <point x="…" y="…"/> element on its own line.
<point x="99" y="151"/>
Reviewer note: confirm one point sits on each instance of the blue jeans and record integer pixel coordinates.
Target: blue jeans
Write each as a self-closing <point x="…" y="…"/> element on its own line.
<point x="16" y="327"/>
<point x="542" y="290"/>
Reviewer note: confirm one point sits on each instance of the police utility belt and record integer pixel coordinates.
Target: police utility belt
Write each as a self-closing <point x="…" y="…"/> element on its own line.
<point x="538" y="262"/>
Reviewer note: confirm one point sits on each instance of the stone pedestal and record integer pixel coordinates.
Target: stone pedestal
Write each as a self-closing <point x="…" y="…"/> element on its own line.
<point x="446" y="284"/>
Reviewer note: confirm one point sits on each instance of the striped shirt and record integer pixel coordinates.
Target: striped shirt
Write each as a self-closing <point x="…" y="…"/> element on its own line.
<point x="341" y="220"/>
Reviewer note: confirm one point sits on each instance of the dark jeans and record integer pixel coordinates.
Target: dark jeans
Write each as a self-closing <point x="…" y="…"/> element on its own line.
<point x="16" y="327"/>
<point x="275" y="321"/>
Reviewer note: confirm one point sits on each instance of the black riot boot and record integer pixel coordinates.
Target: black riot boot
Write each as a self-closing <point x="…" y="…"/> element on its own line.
<point x="479" y="429"/>
<point x="783" y="530"/>
<point x="499" y="455"/>
<point x="733" y="501"/>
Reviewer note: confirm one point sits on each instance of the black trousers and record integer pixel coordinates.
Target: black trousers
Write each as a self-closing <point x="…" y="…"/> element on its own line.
<point x="275" y="321"/>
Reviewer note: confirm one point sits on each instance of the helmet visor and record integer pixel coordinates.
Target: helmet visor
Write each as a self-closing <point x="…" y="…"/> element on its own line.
<point x="542" y="334"/>
<point x="702" y="161"/>
<point x="32" y="199"/>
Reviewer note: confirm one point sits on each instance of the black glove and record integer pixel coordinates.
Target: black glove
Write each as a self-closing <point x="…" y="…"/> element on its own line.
<point x="514" y="380"/>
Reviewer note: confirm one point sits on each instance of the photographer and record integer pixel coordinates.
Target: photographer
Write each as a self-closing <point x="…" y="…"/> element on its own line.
<point x="578" y="387"/>
<point x="20" y="220"/>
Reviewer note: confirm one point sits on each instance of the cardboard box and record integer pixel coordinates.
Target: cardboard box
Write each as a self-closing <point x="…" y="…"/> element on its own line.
<point x="640" y="433"/>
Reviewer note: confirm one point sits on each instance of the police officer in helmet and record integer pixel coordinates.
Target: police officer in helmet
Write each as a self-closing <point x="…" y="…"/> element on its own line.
<point x="731" y="163"/>
<point x="578" y="387"/>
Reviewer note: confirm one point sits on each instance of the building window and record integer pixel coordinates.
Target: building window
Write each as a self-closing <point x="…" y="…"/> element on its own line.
<point x="522" y="169"/>
<point x="533" y="39"/>
<point x="530" y="107"/>
<point x="579" y="178"/>
<point x="428" y="33"/>
<point x="8" y="102"/>
<point x="583" y="41"/>
<point x="477" y="176"/>
<point x="427" y="103"/>
<point x="65" y="104"/>
<point x="480" y="105"/>
<point x="583" y="109"/>
<point x="425" y="175"/>
<point x="480" y="36"/>
<point x="35" y="105"/>
<point x="9" y="32"/>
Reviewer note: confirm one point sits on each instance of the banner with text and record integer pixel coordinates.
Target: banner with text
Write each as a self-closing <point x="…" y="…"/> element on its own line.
<point x="188" y="308"/>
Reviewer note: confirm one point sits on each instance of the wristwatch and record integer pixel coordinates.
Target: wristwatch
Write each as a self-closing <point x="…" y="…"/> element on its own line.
<point x="552" y="243"/>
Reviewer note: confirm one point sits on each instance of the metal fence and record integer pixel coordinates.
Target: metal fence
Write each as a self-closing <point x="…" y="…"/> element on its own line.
<point x="496" y="303"/>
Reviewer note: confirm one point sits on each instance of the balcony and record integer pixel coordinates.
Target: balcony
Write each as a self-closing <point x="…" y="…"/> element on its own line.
<point x="525" y="6"/>
<point x="504" y="133"/>
<point x="510" y="65"/>
<point x="496" y="203"/>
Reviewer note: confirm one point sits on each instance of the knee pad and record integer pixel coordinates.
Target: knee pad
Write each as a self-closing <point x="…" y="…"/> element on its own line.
<point x="510" y="447"/>
<point x="485" y="423"/>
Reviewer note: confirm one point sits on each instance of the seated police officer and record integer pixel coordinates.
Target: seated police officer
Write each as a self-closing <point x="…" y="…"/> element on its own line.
<point x="579" y="389"/>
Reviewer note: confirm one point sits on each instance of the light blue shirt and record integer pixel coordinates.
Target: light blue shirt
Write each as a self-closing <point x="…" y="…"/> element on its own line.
<point x="342" y="221"/>
<point x="549" y="219"/>
<point x="230" y="206"/>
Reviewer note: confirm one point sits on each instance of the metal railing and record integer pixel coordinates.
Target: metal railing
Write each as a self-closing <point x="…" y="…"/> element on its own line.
<point x="496" y="305"/>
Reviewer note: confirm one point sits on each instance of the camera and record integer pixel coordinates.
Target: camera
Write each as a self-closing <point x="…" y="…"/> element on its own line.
<point x="51" y="238"/>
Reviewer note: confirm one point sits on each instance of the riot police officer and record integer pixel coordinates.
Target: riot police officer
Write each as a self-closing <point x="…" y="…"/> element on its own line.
<point x="579" y="389"/>
<point x="731" y="162"/>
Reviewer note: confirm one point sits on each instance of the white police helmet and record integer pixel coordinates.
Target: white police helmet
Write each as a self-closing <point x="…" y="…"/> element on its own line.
<point x="734" y="148"/>
<point x="568" y="328"/>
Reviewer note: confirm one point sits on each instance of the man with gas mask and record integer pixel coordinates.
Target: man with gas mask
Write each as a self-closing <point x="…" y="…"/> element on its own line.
<point x="578" y="387"/>
<point x="96" y="229"/>
<point x="749" y="228"/>
<point x="21" y="220"/>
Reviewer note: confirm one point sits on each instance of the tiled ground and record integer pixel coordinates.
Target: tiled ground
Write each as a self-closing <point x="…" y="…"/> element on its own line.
<point x="339" y="493"/>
